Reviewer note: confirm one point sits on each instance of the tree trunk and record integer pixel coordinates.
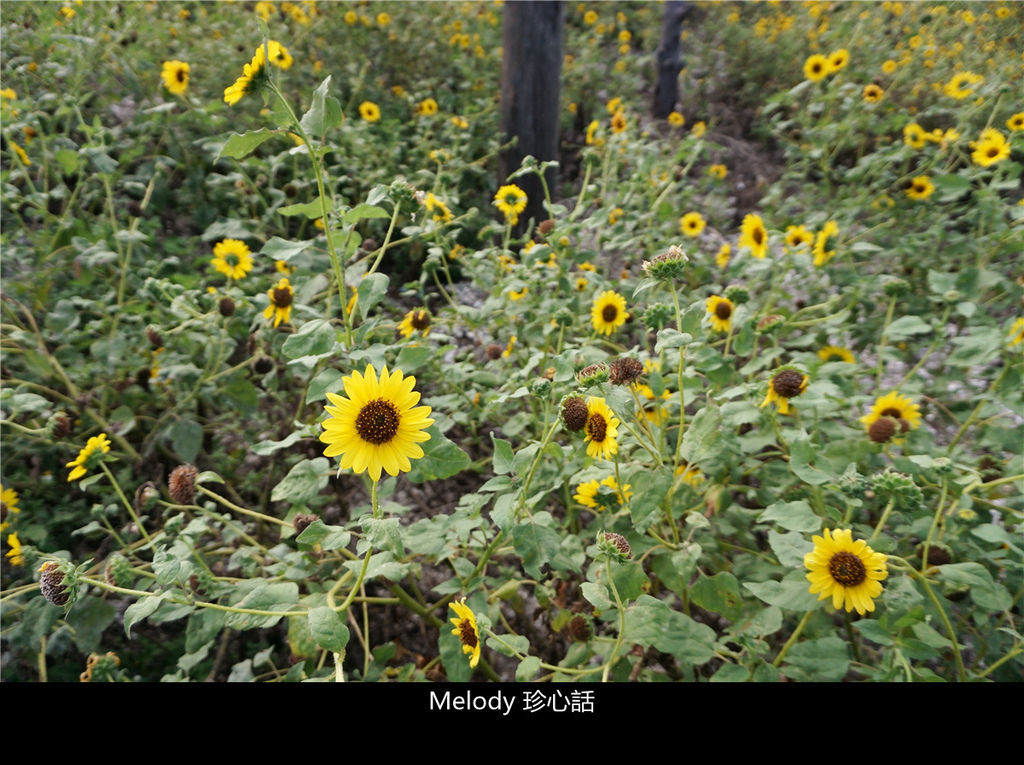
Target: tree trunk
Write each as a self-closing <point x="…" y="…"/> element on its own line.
<point x="531" y="72"/>
<point x="669" y="58"/>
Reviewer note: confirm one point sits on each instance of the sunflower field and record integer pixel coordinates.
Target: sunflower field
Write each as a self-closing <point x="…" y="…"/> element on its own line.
<point x="294" y="389"/>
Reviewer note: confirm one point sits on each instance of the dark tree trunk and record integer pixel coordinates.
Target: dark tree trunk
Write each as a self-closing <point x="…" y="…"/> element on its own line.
<point x="531" y="72"/>
<point x="669" y="58"/>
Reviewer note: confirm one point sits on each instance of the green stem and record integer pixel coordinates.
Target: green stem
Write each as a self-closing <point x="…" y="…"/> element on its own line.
<point x="881" y="521"/>
<point x="883" y="340"/>
<point x="622" y="622"/>
<point x="931" y="531"/>
<point x="961" y="672"/>
<point x="127" y="504"/>
<point x="244" y="510"/>
<point x="792" y="639"/>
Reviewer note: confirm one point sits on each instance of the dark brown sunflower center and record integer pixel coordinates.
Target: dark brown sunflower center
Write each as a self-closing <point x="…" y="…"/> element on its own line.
<point x="179" y="75"/>
<point x="891" y="412"/>
<point x="816" y="67"/>
<point x="919" y="188"/>
<point x="788" y="383"/>
<point x="467" y="634"/>
<point x="377" y="422"/>
<point x="847" y="569"/>
<point x="758" y="236"/>
<point x="420" y="320"/>
<point x="597" y="428"/>
<point x="723" y="311"/>
<point x="882" y="429"/>
<point x="282" y="297"/>
<point x="609" y="312"/>
<point x="992" y="152"/>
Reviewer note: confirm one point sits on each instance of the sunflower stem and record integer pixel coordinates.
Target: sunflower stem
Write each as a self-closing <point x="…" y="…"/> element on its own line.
<point x="974" y="414"/>
<point x="533" y="466"/>
<point x="792" y="639"/>
<point x="881" y="521"/>
<point x="935" y="524"/>
<point x="883" y="340"/>
<point x="127" y="504"/>
<point x="239" y="509"/>
<point x="960" y="671"/>
<point x="622" y="621"/>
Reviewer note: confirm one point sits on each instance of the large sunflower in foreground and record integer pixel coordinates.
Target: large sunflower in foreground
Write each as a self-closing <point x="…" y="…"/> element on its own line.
<point x="601" y="429"/>
<point x="900" y="408"/>
<point x="608" y="312"/>
<point x="466" y="629"/>
<point x="847" y="571"/>
<point x="378" y="427"/>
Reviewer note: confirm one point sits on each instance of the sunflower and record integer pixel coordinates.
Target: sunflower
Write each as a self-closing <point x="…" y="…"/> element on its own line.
<point x="250" y="79"/>
<point x="785" y="384"/>
<point x="815" y="67"/>
<point x="834" y="351"/>
<point x="653" y="410"/>
<point x="838" y="60"/>
<point x="511" y="200"/>
<point x="279" y="55"/>
<point x="903" y="410"/>
<point x="798" y="236"/>
<point x="872" y="93"/>
<point x="849" y="572"/>
<point x="369" y="111"/>
<point x="378" y="427"/>
<point x="957" y="87"/>
<point x="920" y="187"/>
<point x="516" y="295"/>
<point x="675" y="119"/>
<point x="619" y="122"/>
<point x="601" y="429"/>
<point x="440" y="210"/>
<point x="722" y="257"/>
<point x="426" y="107"/>
<point x="825" y="237"/>
<point x="589" y="493"/>
<point x="17" y="559"/>
<point x="698" y="129"/>
<point x="718" y="171"/>
<point x="466" y="629"/>
<point x="415" y="321"/>
<point x="1017" y="332"/>
<point x="9" y="505"/>
<point x="690" y="474"/>
<point x="97" y="445"/>
<point x="1016" y="122"/>
<point x="720" y="310"/>
<point x="232" y="258"/>
<point x="175" y="76"/>
<point x="280" y="307"/>
<point x="990" y="148"/>
<point x="692" y="223"/>
<point x="753" y="235"/>
<point x="914" y="136"/>
<point x="608" y="312"/>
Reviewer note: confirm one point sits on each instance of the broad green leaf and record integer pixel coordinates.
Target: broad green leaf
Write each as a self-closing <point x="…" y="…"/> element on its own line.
<point x="303" y="482"/>
<point x="536" y="545"/>
<point x="792" y="516"/>
<point x="328" y="537"/>
<point x="906" y="326"/>
<point x="241" y="145"/>
<point x="649" y="490"/>
<point x="139" y="610"/>
<point x="261" y="596"/>
<point x="703" y="438"/>
<point x="503" y="455"/>
<point x="442" y="458"/>
<point x="282" y="249"/>
<point x="186" y="439"/>
<point x="821" y="660"/>
<point x="320" y="117"/>
<point x="792" y="593"/>
<point x="372" y="289"/>
<point x="527" y="669"/>
<point x="650" y="622"/>
<point x="801" y="454"/>
<point x="597" y="595"/>
<point x="364" y="211"/>
<point x="411" y="358"/>
<point x="328" y="629"/>
<point x="790" y="547"/>
<point x="313" y="338"/>
<point x="719" y="594"/>
<point x="311" y="210"/>
<point x="327" y="380"/>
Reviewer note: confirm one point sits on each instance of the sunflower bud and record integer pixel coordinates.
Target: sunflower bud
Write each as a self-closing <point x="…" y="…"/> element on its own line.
<point x="574" y="413"/>
<point x="614" y="545"/>
<point x="900" y="487"/>
<point x="770" y="322"/>
<point x="737" y="294"/>
<point x="59" y="425"/>
<point x="182" y="484"/>
<point x="580" y="628"/>
<point x="882" y="429"/>
<point x="118" y="571"/>
<point x="226" y="306"/>
<point x="546" y="227"/>
<point x="540" y="386"/>
<point x="154" y="338"/>
<point x="262" y="365"/>
<point x="624" y="371"/>
<point x="563" y="317"/>
<point x="668" y="266"/>
<point x="493" y="351"/>
<point x="595" y="374"/>
<point x="896" y="288"/>
<point x="51" y="583"/>
<point x="657" y="316"/>
<point x="938" y="553"/>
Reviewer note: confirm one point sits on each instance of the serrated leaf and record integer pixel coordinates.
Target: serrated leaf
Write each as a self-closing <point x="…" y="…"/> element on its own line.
<point x="650" y="622"/>
<point x="328" y="629"/>
<point x="535" y="545"/>
<point x="821" y="660"/>
<point x="241" y="145"/>
<point x="139" y="610"/>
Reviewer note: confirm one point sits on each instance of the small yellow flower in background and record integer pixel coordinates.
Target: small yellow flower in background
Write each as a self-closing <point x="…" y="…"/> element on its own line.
<point x="415" y="321"/>
<point x="232" y="258"/>
<point x="816" y="67"/>
<point x="822" y="242"/>
<point x="264" y="9"/>
<point x="798" y="236"/>
<point x="280" y="307"/>
<point x="849" y="572"/>
<point x="601" y="429"/>
<point x="175" y="76"/>
<point x="698" y="129"/>
<point x="692" y="224"/>
<point x="900" y="408"/>
<point x="722" y="258"/>
<point x="466" y="629"/>
<point x="1017" y="332"/>
<point x="590" y="18"/>
<point x="754" y="236"/>
<point x="690" y="474"/>
<point x="68" y="12"/>
<point x="426" y="107"/>
<point x="675" y="119"/>
<point x="460" y="122"/>
<point x="282" y="267"/>
<point x="17" y="559"/>
<point x="990" y="148"/>
<point x="914" y="136"/>
<point x="8" y="94"/>
<point x="1016" y="122"/>
<point x="587" y="492"/>
<point x="784" y="385"/>
<point x="592" y="138"/>
<point x="440" y="210"/>
<point x="510" y="200"/>
<point x="720" y="310"/>
<point x="619" y="122"/>
<point x="653" y="410"/>
<point x="614" y="105"/>
<point x="889" y="66"/>
<point x="351" y="17"/>
<point x="834" y="351"/>
<point x="97" y="445"/>
<point x="383" y="19"/>
<point x="378" y="427"/>
<point x="279" y="55"/>
<point x="872" y="93"/>
<point x="20" y="152"/>
<point x="508" y="348"/>
<point x="838" y="60"/>
<point x="958" y="85"/>
<point x="518" y="294"/>
<point x="718" y="171"/>
<point x="920" y="187"/>
<point x="369" y="111"/>
<point x="608" y="312"/>
<point x="615" y="215"/>
<point x="9" y="503"/>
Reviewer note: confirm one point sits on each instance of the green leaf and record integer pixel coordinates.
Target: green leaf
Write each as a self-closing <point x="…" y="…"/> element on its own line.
<point x="527" y="669"/>
<point x="203" y="626"/>
<point x="326" y="380"/>
<point x="382" y="564"/>
<point x="303" y="482"/>
<point x="503" y="455"/>
<point x="282" y="249"/>
<point x="261" y="596"/>
<point x="442" y="458"/>
<point x="821" y="660"/>
<point x="382" y="534"/>
<point x="906" y="326"/>
<point x="311" y="210"/>
<point x="241" y="145"/>
<point x="649" y="492"/>
<point x="650" y="622"/>
<point x="801" y="454"/>
<point x="320" y="117"/>
<point x="411" y="358"/>
<point x="790" y="548"/>
<point x="597" y="595"/>
<point x="313" y="338"/>
<point x="364" y="211"/>
<point x="536" y="545"/>
<point x="186" y="439"/>
<point x="719" y="594"/>
<point x="950" y="186"/>
<point x="372" y="290"/>
<point x="265" y="448"/>
<point x="703" y="437"/>
<point x="731" y="673"/>
<point x="671" y="338"/>
<point x="792" y="516"/>
<point x="328" y="629"/>
<point x="519" y="643"/>
<point x="328" y="537"/>
<point x="139" y="610"/>
<point x="792" y="593"/>
<point x="629" y="580"/>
